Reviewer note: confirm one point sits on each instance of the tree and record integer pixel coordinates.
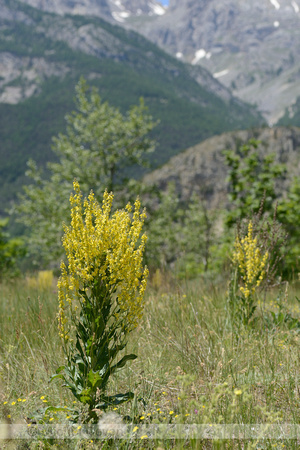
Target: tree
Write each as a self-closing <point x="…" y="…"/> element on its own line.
<point x="251" y="178"/>
<point x="99" y="149"/>
<point x="10" y="251"/>
<point x="288" y="213"/>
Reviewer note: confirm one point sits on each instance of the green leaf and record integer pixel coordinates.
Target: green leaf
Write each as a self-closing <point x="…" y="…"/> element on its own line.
<point x="113" y="400"/>
<point x="94" y="378"/>
<point x="122" y="362"/>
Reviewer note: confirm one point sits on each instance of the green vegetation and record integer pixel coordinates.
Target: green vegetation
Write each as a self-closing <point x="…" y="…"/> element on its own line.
<point x="208" y="354"/>
<point x="252" y="177"/>
<point x="192" y="367"/>
<point x="125" y="68"/>
<point x="10" y="251"/>
<point x="100" y="144"/>
<point x="291" y="116"/>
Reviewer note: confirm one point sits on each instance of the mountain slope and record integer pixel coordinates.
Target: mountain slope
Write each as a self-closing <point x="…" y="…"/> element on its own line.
<point x="201" y="169"/>
<point x="252" y="47"/>
<point x="42" y="56"/>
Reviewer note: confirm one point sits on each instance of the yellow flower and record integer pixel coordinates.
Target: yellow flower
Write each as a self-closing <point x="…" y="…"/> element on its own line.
<point x="103" y="248"/>
<point x="238" y="392"/>
<point x="144" y="436"/>
<point x="135" y="429"/>
<point x="251" y="263"/>
<point x="13" y="403"/>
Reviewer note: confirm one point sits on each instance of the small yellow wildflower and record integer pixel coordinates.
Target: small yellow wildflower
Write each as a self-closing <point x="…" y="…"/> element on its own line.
<point x="135" y="429"/>
<point x="144" y="436"/>
<point x="171" y="412"/>
<point x="238" y="391"/>
<point x="142" y="418"/>
<point x="13" y="403"/>
<point x="9" y="416"/>
<point x="42" y="397"/>
<point x="51" y="418"/>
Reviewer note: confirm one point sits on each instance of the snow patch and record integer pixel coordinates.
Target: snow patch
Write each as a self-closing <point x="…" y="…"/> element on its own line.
<point x="199" y="54"/>
<point x="220" y="74"/>
<point x="275" y="4"/>
<point x="295" y="6"/>
<point x="159" y="10"/>
<point x="124" y="14"/>
<point x="276" y="24"/>
<point x="117" y="17"/>
<point x="179" y="55"/>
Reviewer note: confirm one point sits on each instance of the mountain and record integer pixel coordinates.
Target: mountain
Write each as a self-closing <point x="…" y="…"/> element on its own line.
<point x="111" y="10"/>
<point x="253" y="47"/>
<point x="43" y="55"/>
<point x="201" y="169"/>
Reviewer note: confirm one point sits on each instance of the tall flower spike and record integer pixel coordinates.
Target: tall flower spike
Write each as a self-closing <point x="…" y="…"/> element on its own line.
<point x="107" y="248"/>
<point x="250" y="261"/>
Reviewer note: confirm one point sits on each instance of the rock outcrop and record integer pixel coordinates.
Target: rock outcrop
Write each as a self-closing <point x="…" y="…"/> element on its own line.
<point x="202" y="170"/>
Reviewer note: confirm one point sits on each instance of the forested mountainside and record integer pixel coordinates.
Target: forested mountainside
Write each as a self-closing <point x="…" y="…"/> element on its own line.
<point x="251" y="47"/>
<point x="43" y="55"/>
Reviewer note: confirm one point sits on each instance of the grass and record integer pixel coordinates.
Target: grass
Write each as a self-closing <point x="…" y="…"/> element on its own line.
<point x="193" y="367"/>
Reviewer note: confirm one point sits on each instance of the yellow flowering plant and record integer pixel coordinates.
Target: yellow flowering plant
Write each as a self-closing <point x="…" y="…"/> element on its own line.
<point x="249" y="261"/>
<point x="100" y="290"/>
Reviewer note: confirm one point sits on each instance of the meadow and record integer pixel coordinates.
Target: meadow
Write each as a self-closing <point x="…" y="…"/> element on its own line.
<point x="193" y="365"/>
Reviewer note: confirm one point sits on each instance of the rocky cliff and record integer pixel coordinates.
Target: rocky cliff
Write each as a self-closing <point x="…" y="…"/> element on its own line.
<point x="253" y="47"/>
